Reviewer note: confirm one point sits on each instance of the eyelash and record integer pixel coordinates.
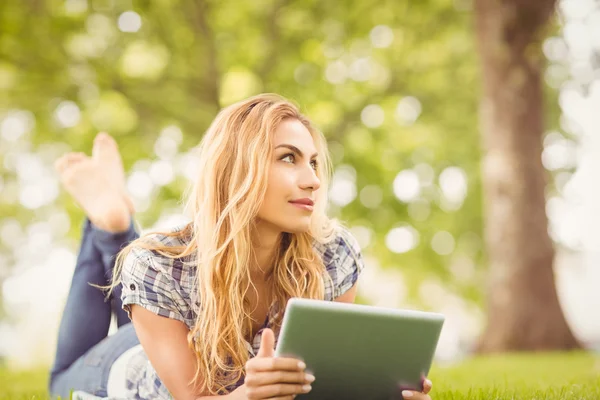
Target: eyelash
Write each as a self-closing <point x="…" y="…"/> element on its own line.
<point x="316" y="163"/>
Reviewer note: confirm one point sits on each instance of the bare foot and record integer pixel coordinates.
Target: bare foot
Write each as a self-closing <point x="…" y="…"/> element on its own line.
<point x="102" y="202"/>
<point x="105" y="154"/>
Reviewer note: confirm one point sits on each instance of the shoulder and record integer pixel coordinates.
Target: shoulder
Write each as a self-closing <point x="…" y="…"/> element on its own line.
<point x="150" y="254"/>
<point x="147" y="264"/>
<point x="342" y="246"/>
<point x="341" y="255"/>
<point x="152" y="279"/>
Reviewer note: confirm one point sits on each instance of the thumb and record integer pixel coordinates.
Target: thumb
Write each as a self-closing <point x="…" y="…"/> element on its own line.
<point x="267" y="344"/>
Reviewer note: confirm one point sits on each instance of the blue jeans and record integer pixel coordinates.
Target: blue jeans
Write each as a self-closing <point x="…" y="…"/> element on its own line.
<point x="84" y="352"/>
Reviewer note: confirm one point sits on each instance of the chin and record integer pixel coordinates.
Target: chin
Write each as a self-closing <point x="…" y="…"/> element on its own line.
<point x="297" y="229"/>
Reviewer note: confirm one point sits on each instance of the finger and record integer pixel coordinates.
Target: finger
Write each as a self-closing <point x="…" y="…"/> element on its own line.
<point x="427" y="386"/>
<point x="277" y="390"/>
<point x="412" y="395"/>
<point x="270" y="378"/>
<point x="267" y="344"/>
<point x="266" y="364"/>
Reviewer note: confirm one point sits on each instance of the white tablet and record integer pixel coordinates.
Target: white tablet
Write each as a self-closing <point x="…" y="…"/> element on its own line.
<point x="359" y="352"/>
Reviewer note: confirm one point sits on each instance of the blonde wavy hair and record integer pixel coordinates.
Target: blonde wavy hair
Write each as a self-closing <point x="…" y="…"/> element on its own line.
<point x="235" y="156"/>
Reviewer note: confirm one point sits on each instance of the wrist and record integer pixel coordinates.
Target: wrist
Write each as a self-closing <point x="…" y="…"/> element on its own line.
<point x="237" y="394"/>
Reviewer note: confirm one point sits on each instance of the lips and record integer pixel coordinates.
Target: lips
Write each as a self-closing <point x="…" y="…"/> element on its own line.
<point x="307" y="202"/>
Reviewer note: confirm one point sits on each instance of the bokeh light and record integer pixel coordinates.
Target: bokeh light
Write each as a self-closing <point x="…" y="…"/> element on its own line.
<point x="129" y="21"/>
<point x="342" y="190"/>
<point x="381" y="36"/>
<point x="407" y="186"/>
<point x="402" y="239"/>
<point x="443" y="243"/>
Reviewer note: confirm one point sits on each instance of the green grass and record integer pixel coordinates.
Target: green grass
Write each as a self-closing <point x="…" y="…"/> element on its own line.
<point x="520" y="376"/>
<point x="550" y="376"/>
<point x="23" y="384"/>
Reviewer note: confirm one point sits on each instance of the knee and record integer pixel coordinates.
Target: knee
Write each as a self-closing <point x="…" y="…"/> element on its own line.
<point x="53" y="386"/>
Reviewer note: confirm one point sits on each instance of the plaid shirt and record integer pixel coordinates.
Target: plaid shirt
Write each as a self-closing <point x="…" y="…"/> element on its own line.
<point x="165" y="287"/>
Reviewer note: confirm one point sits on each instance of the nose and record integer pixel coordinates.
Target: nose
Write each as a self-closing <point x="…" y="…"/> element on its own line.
<point x="310" y="180"/>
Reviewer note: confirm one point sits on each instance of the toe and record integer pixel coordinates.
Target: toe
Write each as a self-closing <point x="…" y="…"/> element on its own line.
<point x="100" y="137"/>
<point x="73" y="158"/>
<point x="67" y="160"/>
<point x="76" y="155"/>
<point x="71" y="164"/>
<point x="104" y="139"/>
<point x="104" y="146"/>
<point x="61" y="163"/>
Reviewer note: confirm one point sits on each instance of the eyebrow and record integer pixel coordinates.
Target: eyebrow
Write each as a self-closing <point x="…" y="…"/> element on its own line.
<point x="295" y="149"/>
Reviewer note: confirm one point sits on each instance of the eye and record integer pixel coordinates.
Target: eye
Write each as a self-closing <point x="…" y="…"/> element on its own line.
<point x="288" y="155"/>
<point x="314" y="163"/>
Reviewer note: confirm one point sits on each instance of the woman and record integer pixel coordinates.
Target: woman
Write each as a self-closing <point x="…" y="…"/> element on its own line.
<point x="206" y="299"/>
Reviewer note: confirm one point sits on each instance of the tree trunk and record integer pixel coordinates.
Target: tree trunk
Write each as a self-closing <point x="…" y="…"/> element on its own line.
<point x="523" y="308"/>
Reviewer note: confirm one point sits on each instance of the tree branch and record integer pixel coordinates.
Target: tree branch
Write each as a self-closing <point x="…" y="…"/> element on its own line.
<point x="271" y="57"/>
<point x="202" y="29"/>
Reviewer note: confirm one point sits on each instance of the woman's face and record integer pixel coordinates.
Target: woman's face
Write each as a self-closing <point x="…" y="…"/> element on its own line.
<point x="292" y="181"/>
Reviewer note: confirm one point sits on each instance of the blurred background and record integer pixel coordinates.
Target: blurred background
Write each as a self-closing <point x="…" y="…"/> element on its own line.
<point x="395" y="86"/>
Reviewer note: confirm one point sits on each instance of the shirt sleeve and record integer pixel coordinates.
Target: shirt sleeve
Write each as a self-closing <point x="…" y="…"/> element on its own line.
<point x="349" y="262"/>
<point x="146" y="284"/>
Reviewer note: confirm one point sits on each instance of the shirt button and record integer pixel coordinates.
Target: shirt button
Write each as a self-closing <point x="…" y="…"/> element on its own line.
<point x="132" y="286"/>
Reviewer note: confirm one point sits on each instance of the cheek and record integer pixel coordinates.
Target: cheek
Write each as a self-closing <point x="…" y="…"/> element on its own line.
<point x="272" y="197"/>
<point x="280" y="185"/>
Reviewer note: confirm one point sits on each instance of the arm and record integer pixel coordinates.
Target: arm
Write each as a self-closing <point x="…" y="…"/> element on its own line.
<point x="349" y="296"/>
<point x="347" y="266"/>
<point x="165" y="342"/>
<point x="155" y="307"/>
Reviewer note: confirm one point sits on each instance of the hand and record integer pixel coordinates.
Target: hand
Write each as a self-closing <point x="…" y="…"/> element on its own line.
<point x="414" y="395"/>
<point x="270" y="377"/>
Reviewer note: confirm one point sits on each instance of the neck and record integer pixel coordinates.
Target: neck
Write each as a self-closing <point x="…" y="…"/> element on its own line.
<point x="266" y="240"/>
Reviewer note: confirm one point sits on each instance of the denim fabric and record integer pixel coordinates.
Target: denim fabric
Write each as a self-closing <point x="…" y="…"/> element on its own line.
<point x="84" y="352"/>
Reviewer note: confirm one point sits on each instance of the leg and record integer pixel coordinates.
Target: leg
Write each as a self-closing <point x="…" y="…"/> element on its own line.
<point x="108" y="245"/>
<point x="90" y="372"/>
<point x="110" y="239"/>
<point x="86" y="317"/>
<point x="97" y="185"/>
